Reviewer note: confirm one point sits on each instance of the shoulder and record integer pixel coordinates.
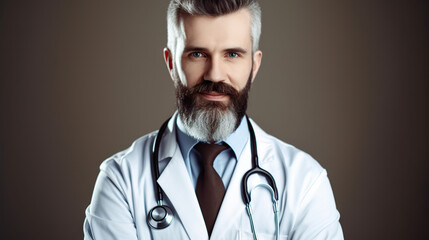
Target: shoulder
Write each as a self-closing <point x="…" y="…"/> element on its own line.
<point x="294" y="168"/>
<point x="270" y="147"/>
<point x="304" y="188"/>
<point x="135" y="161"/>
<point x="131" y="159"/>
<point x="299" y="177"/>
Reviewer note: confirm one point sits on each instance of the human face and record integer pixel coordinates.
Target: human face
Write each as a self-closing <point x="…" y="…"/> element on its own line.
<point x="217" y="49"/>
<point x="213" y="69"/>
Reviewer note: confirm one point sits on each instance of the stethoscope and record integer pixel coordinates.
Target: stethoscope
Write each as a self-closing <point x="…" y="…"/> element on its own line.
<point x="161" y="216"/>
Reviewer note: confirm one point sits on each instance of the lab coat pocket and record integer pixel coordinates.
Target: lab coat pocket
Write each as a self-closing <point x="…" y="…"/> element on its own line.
<point x="244" y="235"/>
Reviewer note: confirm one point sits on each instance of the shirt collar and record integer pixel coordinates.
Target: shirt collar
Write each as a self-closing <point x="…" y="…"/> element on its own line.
<point x="237" y="140"/>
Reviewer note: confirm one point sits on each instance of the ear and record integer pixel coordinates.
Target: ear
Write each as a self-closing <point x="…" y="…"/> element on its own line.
<point x="168" y="58"/>
<point x="257" y="59"/>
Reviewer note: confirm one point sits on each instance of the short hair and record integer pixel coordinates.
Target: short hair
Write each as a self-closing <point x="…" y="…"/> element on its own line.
<point x="212" y="8"/>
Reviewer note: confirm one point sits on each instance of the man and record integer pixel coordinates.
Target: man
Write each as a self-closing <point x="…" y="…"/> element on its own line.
<point x="212" y="56"/>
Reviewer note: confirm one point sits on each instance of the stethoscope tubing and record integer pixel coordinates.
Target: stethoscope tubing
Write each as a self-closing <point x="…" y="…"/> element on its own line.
<point x="256" y="169"/>
<point x="155" y="158"/>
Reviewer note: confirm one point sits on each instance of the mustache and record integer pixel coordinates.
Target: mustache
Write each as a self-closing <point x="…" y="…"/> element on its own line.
<point x="209" y="86"/>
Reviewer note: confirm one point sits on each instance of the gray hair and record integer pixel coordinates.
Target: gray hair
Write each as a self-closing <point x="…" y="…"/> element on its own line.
<point x="212" y="8"/>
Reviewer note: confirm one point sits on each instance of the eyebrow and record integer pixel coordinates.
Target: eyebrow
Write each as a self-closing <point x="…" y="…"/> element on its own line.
<point x="238" y="50"/>
<point x="194" y="49"/>
<point x="200" y="49"/>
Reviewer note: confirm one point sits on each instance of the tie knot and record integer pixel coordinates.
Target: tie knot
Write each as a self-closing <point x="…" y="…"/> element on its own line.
<point x="209" y="151"/>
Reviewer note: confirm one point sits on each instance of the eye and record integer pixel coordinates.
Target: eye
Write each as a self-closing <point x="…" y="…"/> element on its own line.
<point x="233" y="55"/>
<point x="196" y="54"/>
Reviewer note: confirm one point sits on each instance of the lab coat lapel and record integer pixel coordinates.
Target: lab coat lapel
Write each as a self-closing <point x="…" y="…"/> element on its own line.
<point x="232" y="205"/>
<point x="174" y="181"/>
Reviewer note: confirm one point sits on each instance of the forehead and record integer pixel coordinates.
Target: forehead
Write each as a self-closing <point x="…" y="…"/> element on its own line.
<point x="225" y="31"/>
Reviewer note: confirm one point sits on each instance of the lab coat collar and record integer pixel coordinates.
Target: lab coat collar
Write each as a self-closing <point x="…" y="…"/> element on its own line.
<point x="176" y="184"/>
<point x="168" y="142"/>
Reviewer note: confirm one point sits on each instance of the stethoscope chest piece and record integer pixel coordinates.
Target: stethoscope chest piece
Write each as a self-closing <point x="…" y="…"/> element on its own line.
<point x="160" y="217"/>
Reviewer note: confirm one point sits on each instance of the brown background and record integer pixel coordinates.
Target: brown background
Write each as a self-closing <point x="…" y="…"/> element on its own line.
<point x="345" y="81"/>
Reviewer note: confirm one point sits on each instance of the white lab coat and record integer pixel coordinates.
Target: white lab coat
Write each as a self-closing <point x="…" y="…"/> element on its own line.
<point x="124" y="194"/>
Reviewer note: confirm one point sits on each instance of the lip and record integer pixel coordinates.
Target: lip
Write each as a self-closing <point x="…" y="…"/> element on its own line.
<point x="215" y="96"/>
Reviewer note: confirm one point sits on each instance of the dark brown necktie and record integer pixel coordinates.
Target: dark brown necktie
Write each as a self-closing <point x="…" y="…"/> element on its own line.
<point x="210" y="189"/>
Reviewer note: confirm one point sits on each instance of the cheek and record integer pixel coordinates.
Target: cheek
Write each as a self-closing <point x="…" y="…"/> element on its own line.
<point x="193" y="72"/>
<point x="178" y="63"/>
<point x="240" y="75"/>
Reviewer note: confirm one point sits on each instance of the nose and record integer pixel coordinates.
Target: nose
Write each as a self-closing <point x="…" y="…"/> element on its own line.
<point x="215" y="71"/>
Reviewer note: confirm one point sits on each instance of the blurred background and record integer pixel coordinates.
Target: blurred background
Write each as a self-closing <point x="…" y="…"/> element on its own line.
<point x="346" y="81"/>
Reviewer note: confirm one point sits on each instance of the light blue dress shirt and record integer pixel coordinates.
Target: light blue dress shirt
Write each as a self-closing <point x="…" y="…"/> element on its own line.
<point x="224" y="163"/>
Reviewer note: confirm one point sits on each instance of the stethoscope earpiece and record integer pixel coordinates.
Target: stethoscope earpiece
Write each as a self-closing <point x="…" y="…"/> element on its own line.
<point x="160" y="217"/>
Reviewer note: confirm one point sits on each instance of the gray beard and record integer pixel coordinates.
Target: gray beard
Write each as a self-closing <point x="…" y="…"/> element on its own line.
<point x="211" y="121"/>
<point x="210" y="125"/>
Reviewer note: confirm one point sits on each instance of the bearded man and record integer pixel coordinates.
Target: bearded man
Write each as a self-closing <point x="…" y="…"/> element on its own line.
<point x="194" y="179"/>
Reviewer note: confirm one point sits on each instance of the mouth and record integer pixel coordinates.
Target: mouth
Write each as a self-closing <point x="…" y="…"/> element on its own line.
<point x="215" y="96"/>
